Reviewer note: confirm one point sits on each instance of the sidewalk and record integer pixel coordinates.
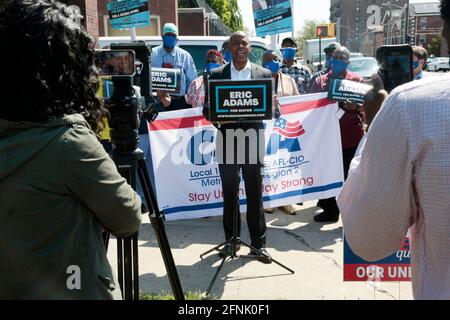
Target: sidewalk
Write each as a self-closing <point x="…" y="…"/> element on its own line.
<point x="314" y="251"/>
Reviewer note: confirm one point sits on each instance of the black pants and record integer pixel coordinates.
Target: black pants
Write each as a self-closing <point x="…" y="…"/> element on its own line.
<point x="229" y="173"/>
<point x="252" y="175"/>
<point x="329" y="205"/>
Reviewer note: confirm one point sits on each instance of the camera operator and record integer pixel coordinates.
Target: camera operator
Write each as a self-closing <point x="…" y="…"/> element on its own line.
<point x="58" y="187"/>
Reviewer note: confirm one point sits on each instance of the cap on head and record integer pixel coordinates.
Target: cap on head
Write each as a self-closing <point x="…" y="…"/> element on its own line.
<point x="331" y="47"/>
<point x="289" y="42"/>
<point x="170" y="28"/>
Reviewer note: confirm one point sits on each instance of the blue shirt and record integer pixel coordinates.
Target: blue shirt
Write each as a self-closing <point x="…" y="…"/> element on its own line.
<point x="178" y="59"/>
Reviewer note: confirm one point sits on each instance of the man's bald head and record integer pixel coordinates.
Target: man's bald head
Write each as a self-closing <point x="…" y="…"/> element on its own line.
<point x="238" y="34"/>
<point x="240" y="46"/>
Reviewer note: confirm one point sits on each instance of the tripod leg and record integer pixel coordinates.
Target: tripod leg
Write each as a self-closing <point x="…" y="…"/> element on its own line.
<point x="211" y="250"/>
<point x="156" y="220"/>
<point x="216" y="274"/>
<point x="265" y="255"/>
<point x="135" y="267"/>
<point x="120" y="264"/>
<point x="128" y="269"/>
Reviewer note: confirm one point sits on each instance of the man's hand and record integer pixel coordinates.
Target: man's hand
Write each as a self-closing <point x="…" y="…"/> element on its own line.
<point x="374" y="99"/>
<point x="164" y="97"/>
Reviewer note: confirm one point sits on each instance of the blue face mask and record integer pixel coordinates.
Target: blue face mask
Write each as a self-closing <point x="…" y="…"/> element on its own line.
<point x="227" y="56"/>
<point x="415" y="64"/>
<point x="211" y="65"/>
<point x="327" y="62"/>
<point x="170" y="41"/>
<point x="273" y="66"/>
<point x="289" y="53"/>
<point x="338" y="66"/>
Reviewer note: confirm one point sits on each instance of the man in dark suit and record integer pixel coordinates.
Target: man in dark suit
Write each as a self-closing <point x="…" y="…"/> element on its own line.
<point x="251" y="164"/>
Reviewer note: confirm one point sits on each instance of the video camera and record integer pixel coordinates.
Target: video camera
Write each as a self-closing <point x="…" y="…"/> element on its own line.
<point x="126" y="104"/>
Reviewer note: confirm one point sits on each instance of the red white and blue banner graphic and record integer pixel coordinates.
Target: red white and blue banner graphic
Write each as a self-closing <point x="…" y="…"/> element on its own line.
<point x="394" y="268"/>
<point x="303" y="158"/>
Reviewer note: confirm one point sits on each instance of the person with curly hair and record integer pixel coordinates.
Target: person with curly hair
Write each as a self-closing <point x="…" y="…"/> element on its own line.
<point x="58" y="187"/>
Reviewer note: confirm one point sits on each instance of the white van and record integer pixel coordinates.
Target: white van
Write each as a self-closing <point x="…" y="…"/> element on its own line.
<point x="196" y="46"/>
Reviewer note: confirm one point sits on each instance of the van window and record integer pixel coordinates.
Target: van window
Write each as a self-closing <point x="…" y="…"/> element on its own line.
<point x="256" y="55"/>
<point x="198" y="53"/>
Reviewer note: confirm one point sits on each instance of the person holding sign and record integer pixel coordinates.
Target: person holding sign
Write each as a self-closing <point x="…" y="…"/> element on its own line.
<point x="350" y="122"/>
<point x="241" y="69"/>
<point x="284" y="86"/>
<point x="169" y="55"/>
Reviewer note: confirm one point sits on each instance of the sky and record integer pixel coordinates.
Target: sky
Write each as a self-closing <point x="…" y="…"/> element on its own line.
<point x="303" y="10"/>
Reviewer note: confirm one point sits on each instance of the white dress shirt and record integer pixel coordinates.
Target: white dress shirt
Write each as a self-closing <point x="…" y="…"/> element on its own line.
<point x="244" y="74"/>
<point x="403" y="180"/>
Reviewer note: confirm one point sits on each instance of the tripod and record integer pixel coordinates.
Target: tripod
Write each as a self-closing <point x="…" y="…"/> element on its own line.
<point x="127" y="248"/>
<point x="229" y="250"/>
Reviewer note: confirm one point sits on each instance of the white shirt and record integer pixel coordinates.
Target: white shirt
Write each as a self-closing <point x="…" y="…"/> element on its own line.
<point x="244" y="74"/>
<point x="403" y="180"/>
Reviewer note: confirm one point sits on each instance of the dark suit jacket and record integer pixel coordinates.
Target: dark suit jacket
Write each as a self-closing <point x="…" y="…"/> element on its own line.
<point x="224" y="73"/>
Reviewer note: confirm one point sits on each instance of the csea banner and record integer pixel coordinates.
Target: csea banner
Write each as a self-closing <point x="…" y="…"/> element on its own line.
<point x="303" y="158"/>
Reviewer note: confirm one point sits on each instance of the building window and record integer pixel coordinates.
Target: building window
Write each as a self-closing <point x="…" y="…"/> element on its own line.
<point x="422" y="39"/>
<point x="423" y="23"/>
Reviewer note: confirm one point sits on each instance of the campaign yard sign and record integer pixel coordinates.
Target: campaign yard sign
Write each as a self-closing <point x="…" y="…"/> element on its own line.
<point x="393" y="268"/>
<point x="272" y="17"/>
<point x="128" y="14"/>
<point x="303" y="158"/>
<point x="341" y="90"/>
<point x="164" y="79"/>
<point x="243" y="100"/>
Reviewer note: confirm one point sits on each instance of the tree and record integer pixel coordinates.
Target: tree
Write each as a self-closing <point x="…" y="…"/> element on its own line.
<point x="308" y="32"/>
<point x="435" y="46"/>
<point x="228" y="11"/>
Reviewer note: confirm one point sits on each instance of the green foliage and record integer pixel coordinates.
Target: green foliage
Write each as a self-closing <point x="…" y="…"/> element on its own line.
<point x="166" y="296"/>
<point x="308" y="32"/>
<point x="183" y="4"/>
<point x="228" y="11"/>
<point x="435" y="46"/>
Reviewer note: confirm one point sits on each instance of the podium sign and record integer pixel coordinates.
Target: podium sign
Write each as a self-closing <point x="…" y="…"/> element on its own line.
<point x="244" y="100"/>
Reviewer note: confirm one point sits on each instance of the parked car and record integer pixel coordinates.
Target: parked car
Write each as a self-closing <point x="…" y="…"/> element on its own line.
<point x="196" y="46"/>
<point x="364" y="66"/>
<point x="356" y="55"/>
<point x="439" y="64"/>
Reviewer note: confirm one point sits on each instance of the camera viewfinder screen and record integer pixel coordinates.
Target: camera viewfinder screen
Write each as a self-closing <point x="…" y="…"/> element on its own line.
<point x="396" y="67"/>
<point x="115" y="63"/>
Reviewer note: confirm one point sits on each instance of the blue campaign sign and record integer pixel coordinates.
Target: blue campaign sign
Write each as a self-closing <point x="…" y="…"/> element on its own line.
<point x="272" y="16"/>
<point x="129" y="14"/>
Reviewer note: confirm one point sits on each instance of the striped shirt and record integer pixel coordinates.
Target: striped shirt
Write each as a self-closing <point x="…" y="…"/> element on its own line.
<point x="300" y="74"/>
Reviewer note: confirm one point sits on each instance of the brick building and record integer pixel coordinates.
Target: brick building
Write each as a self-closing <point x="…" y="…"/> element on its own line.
<point x="161" y="12"/>
<point x="88" y="9"/>
<point x="426" y="24"/>
<point x="359" y="22"/>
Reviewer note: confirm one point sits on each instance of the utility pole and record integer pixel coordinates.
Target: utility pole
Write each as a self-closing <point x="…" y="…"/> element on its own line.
<point x="407" y="22"/>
